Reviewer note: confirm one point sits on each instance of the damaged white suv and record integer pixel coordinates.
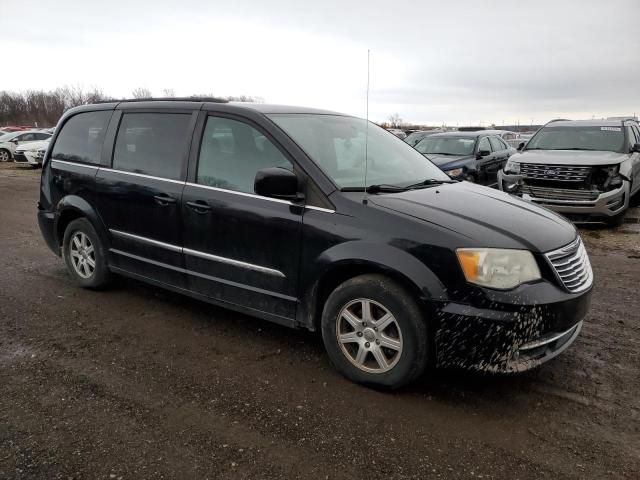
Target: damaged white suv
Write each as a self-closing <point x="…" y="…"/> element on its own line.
<point x="587" y="169"/>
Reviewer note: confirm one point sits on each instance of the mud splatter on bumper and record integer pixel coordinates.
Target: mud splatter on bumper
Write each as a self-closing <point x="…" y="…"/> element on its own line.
<point x="507" y="341"/>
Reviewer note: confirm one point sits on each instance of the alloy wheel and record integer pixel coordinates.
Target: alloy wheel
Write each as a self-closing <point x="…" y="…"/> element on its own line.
<point x="83" y="257"/>
<point x="369" y="335"/>
<point x="4" y="156"/>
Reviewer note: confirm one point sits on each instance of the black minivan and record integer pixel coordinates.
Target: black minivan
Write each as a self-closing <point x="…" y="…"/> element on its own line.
<point x="316" y="220"/>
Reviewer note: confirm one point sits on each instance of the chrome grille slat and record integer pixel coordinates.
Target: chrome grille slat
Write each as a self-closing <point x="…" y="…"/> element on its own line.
<point x="560" y="193"/>
<point x="572" y="266"/>
<point x="566" y="173"/>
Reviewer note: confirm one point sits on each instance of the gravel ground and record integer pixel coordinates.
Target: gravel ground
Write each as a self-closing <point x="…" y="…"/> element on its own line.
<point x="135" y="382"/>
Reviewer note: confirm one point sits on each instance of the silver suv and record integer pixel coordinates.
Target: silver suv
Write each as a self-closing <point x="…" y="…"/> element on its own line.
<point x="585" y="169"/>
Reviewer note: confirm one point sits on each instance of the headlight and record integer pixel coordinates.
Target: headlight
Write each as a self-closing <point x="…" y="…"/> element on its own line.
<point x="456" y="172"/>
<point x="512" y="167"/>
<point x="498" y="268"/>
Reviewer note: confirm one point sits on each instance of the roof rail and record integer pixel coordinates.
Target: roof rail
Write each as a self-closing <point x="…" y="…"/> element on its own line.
<point x="165" y="99"/>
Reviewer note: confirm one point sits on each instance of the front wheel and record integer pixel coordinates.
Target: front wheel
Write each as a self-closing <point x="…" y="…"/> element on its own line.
<point x="375" y="332"/>
<point x="5" y="155"/>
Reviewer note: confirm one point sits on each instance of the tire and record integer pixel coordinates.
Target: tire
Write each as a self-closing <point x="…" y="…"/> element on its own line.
<point x="358" y="357"/>
<point x="5" y="155"/>
<point x="80" y="248"/>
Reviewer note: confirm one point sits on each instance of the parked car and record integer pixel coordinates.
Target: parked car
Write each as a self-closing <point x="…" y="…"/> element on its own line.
<point x="9" y="142"/>
<point x="512" y="139"/>
<point x="398" y="133"/>
<point x="587" y="169"/>
<point x="414" y="137"/>
<point x="471" y="156"/>
<point x="31" y="153"/>
<point x="405" y="270"/>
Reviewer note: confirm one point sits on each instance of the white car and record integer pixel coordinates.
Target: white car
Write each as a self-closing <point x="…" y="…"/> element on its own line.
<point x="31" y="152"/>
<point x="11" y="141"/>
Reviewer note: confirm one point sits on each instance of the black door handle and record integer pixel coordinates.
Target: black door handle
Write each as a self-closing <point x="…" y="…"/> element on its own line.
<point x="199" y="206"/>
<point x="164" y="200"/>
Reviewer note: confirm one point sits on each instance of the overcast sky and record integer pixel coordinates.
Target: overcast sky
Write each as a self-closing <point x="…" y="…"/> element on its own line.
<point x="453" y="62"/>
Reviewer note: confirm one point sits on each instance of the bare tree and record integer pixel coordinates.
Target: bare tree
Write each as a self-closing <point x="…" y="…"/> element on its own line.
<point x="394" y="120"/>
<point x="141" y="92"/>
<point x="168" y="92"/>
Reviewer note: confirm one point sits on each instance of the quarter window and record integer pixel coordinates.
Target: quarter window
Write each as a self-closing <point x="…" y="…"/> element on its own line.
<point x="81" y="137"/>
<point x="231" y="154"/>
<point x="152" y="144"/>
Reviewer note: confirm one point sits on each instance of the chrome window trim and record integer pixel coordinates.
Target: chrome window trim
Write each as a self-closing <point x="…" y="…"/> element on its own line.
<point x="231" y="261"/>
<point x="319" y="209"/>
<point x="197" y="253"/>
<point x="244" y="194"/>
<point x="168" y="246"/>
<point x="142" y="175"/>
<point x="253" y="195"/>
<point x="74" y="164"/>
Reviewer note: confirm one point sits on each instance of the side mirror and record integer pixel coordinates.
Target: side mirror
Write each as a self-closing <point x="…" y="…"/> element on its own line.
<point x="483" y="153"/>
<point x="636" y="147"/>
<point x="15" y="140"/>
<point x="277" y="182"/>
<point x="521" y="146"/>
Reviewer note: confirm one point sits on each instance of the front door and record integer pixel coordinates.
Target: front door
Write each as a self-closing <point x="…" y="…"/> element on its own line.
<point x="139" y="196"/>
<point x="240" y="248"/>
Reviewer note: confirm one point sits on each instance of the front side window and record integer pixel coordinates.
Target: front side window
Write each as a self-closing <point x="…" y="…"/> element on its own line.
<point x="457" y="146"/>
<point x="232" y="152"/>
<point x="599" y="138"/>
<point x="339" y="145"/>
<point x="27" y="137"/>
<point x="152" y="144"/>
<point x="496" y="144"/>
<point x="81" y="137"/>
<point x="484" y="145"/>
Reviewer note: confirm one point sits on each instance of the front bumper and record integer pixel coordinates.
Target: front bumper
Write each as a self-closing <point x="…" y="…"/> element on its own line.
<point x="509" y="340"/>
<point x="26" y="157"/>
<point x="607" y="204"/>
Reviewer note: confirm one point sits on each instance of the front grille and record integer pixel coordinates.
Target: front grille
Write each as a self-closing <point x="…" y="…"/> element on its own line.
<point x="565" y="173"/>
<point x="571" y="264"/>
<point x="545" y="193"/>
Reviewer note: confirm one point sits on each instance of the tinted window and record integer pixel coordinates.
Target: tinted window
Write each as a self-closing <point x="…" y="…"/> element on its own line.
<point x="484" y="144"/>
<point x="496" y="144"/>
<point x="231" y="154"/>
<point x="42" y="136"/>
<point x="637" y="130"/>
<point x="81" y="137"/>
<point x="632" y="136"/>
<point x="605" y="138"/>
<point x="152" y="143"/>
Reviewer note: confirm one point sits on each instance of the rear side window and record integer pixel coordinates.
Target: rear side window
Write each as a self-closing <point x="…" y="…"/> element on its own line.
<point x="152" y="144"/>
<point x="231" y="154"/>
<point x="81" y="137"/>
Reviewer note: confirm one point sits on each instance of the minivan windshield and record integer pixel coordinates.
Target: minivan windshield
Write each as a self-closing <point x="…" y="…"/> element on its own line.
<point x="578" y="138"/>
<point x="459" y="146"/>
<point x="338" y="144"/>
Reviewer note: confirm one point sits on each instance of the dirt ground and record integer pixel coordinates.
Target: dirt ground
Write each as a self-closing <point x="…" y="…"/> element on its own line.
<point x="135" y="382"/>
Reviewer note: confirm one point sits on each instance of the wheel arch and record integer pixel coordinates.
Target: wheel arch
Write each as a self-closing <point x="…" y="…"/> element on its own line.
<point x="73" y="207"/>
<point x="360" y="258"/>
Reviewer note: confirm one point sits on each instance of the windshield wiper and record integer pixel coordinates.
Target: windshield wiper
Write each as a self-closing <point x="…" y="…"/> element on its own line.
<point x="429" y="182"/>
<point x="383" y="187"/>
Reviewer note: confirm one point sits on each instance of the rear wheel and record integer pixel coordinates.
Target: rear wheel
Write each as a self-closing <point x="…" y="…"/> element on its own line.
<point x="84" y="254"/>
<point x="375" y="332"/>
<point x="5" y="155"/>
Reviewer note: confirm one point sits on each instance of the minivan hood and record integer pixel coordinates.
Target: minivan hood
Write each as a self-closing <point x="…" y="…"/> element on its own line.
<point x="487" y="217"/>
<point x="570" y="157"/>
